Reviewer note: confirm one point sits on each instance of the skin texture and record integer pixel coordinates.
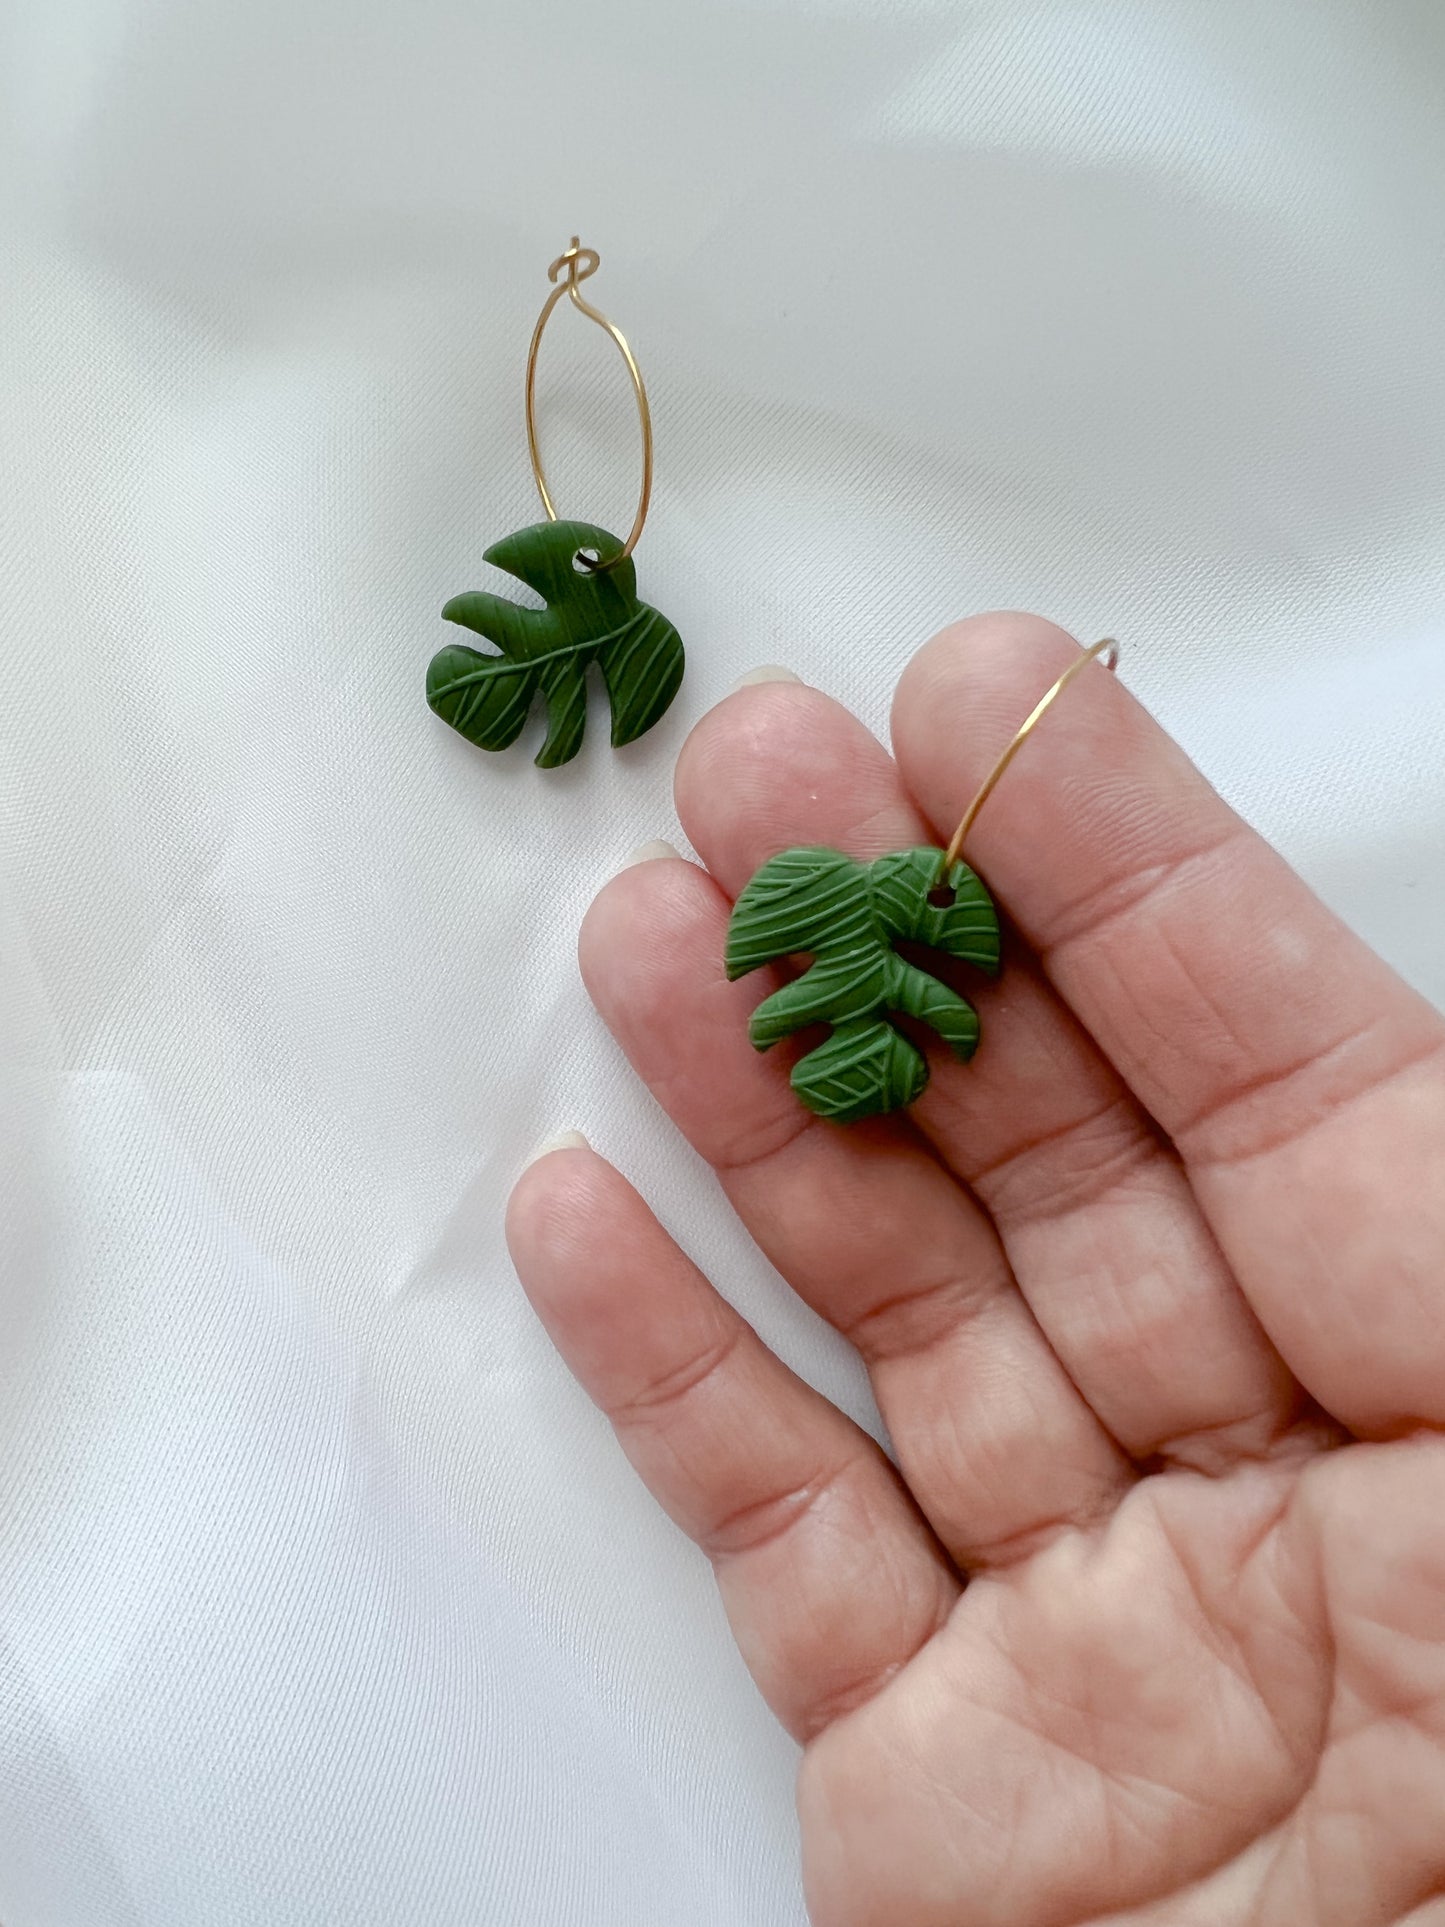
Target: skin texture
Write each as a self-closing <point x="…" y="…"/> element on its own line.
<point x="1144" y="1624"/>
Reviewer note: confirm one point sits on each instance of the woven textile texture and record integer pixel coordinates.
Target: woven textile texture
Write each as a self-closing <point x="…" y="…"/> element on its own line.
<point x="325" y="1598"/>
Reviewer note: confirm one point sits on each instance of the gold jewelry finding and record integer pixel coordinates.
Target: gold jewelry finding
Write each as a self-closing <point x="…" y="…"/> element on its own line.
<point x="1109" y="650"/>
<point x="580" y="263"/>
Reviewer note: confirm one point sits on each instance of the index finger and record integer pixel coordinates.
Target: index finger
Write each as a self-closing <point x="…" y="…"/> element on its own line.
<point x="1302" y="1081"/>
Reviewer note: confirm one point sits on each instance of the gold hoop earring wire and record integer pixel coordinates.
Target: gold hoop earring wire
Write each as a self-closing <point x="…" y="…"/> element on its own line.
<point x="1109" y="650"/>
<point x="579" y="263"/>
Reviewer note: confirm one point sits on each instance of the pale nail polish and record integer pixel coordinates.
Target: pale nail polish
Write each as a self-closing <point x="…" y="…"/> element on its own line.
<point x="649" y="853"/>
<point x="770" y="672"/>
<point x="560" y="1141"/>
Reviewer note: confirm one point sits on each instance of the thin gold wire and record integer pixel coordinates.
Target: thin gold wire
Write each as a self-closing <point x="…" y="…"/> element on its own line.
<point x="579" y="263"/>
<point x="1109" y="650"/>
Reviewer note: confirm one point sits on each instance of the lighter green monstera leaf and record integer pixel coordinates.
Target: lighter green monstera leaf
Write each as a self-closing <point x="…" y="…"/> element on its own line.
<point x="847" y="917"/>
<point x="591" y="616"/>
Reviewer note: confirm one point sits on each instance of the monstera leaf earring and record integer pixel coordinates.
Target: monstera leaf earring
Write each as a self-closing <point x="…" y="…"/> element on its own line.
<point x="586" y="578"/>
<point x="847" y="917"/>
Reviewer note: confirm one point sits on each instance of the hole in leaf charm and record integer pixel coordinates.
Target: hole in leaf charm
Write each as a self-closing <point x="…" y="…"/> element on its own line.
<point x="847" y="917"/>
<point x="592" y="616"/>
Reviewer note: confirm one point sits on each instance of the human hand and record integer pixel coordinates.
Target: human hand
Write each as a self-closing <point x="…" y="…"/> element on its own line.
<point x="1151" y="1628"/>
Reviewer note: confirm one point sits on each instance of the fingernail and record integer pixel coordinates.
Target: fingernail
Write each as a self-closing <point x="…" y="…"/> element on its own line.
<point x="649" y="853"/>
<point x="770" y="672"/>
<point x="560" y="1141"/>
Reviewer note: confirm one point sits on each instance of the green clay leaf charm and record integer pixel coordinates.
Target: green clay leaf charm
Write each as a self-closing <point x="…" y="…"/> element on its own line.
<point x="591" y="616"/>
<point x="848" y="916"/>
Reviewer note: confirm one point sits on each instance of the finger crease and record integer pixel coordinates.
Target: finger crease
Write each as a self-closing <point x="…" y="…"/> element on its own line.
<point x="793" y="1127"/>
<point x="1275" y="1083"/>
<point x="1220" y="1447"/>
<point x="921" y="1314"/>
<point x="763" y="1522"/>
<point x="1086" y="1158"/>
<point x="1121" y="897"/>
<point x="674" y="1386"/>
<point x="1016" y="1548"/>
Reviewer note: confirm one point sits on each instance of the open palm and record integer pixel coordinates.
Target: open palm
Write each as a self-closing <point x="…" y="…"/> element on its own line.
<point x="1148" y="1625"/>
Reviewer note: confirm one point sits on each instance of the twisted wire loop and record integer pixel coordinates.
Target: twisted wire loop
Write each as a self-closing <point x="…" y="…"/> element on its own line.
<point x="578" y="264"/>
<point x="1108" y="649"/>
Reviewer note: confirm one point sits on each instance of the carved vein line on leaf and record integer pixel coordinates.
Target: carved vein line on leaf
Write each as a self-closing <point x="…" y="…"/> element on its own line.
<point x="518" y="703"/>
<point x="547" y="652"/>
<point x="775" y="928"/>
<point x="651" y="621"/>
<point x="529" y="665"/>
<point x="847" y="916"/>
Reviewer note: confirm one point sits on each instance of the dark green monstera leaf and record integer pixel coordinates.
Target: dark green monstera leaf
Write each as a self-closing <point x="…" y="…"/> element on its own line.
<point x="847" y="917"/>
<point x="591" y="616"/>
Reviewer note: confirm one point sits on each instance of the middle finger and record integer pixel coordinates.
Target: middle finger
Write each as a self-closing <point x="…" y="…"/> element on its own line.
<point x="1095" y="1212"/>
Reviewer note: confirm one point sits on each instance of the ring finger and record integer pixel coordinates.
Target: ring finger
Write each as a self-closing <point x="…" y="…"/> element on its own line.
<point x="994" y="1441"/>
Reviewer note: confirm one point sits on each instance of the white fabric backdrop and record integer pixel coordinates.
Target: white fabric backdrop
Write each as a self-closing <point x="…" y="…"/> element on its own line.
<point x="324" y="1596"/>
